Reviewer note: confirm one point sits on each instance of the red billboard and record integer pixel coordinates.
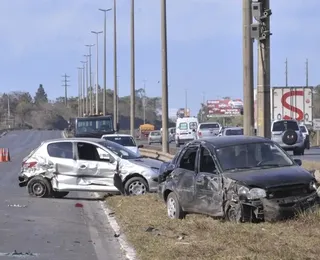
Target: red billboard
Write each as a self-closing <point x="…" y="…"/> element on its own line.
<point x="224" y="107"/>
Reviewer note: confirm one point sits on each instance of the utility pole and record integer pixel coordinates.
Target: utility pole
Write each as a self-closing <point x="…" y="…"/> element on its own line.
<point x="248" y="82"/>
<point x="185" y="102"/>
<point x="133" y="88"/>
<point x="90" y="90"/>
<point x="307" y="73"/>
<point x="144" y="101"/>
<point x="65" y="85"/>
<point x="203" y="104"/>
<point x="97" y="72"/>
<point x="105" y="61"/>
<point x="261" y="31"/>
<point x="87" y="83"/>
<point x="83" y="87"/>
<point x="117" y="99"/>
<point x="115" y="90"/>
<point x="80" y="112"/>
<point x="164" y="61"/>
<point x="286" y="73"/>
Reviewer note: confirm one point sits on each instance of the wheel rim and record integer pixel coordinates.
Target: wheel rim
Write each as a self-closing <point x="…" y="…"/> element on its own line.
<point x="171" y="208"/>
<point x="38" y="189"/>
<point x="137" y="188"/>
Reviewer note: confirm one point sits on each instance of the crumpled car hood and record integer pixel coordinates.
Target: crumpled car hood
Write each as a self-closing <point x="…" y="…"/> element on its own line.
<point x="265" y="178"/>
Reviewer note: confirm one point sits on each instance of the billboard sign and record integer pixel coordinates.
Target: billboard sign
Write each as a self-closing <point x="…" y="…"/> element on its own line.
<point x="224" y="107"/>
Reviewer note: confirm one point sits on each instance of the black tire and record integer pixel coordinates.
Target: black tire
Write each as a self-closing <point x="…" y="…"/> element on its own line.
<point x="174" y="210"/>
<point x="234" y="213"/>
<point x="177" y="145"/>
<point x="289" y="137"/>
<point x="60" y="194"/>
<point x="39" y="187"/>
<point x="302" y="151"/>
<point x="136" y="186"/>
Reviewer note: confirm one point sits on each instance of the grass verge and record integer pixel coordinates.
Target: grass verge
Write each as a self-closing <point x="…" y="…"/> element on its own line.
<point x="144" y="221"/>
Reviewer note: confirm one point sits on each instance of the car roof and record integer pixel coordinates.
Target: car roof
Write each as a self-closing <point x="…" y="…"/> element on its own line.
<point x="224" y="141"/>
<point x="120" y="135"/>
<point x="75" y="139"/>
<point x="233" y="127"/>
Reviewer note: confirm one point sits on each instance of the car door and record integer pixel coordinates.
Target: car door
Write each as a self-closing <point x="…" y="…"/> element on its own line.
<point x="208" y="185"/>
<point x="184" y="176"/>
<point x="95" y="166"/>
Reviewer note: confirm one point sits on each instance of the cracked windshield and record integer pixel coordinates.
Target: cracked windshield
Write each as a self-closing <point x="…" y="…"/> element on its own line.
<point x="155" y="130"/>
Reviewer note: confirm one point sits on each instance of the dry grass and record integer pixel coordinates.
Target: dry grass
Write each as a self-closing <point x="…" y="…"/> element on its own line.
<point x="144" y="221"/>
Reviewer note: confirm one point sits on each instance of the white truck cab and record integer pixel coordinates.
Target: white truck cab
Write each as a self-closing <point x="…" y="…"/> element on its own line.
<point x="186" y="128"/>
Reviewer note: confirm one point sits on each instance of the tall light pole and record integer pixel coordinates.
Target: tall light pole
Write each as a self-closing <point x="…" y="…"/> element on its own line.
<point x="133" y="94"/>
<point x="90" y="80"/>
<point x="105" y="61"/>
<point x="115" y="70"/>
<point x="164" y="61"/>
<point x="83" y="87"/>
<point x="144" y="101"/>
<point x="87" y="83"/>
<point x="97" y="72"/>
<point x="80" y="91"/>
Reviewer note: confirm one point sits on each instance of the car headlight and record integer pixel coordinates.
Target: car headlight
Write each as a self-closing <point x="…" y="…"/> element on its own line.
<point x="252" y="194"/>
<point x="313" y="185"/>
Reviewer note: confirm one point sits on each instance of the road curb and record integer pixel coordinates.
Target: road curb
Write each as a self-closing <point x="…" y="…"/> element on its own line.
<point x="129" y="251"/>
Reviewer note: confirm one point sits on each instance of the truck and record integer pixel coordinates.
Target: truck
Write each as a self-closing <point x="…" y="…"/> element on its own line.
<point x="145" y="129"/>
<point x="290" y="103"/>
<point x="94" y="126"/>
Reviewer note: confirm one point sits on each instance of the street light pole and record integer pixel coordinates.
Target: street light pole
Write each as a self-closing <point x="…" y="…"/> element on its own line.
<point x="80" y="91"/>
<point x="90" y="91"/>
<point x="105" y="61"/>
<point x="144" y="101"/>
<point x="115" y="72"/>
<point x="133" y="94"/>
<point x="97" y="72"/>
<point x="83" y="87"/>
<point x="165" y="143"/>
<point x="87" y="83"/>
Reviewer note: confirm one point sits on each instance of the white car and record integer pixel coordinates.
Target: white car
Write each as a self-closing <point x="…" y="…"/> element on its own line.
<point x="124" y="140"/>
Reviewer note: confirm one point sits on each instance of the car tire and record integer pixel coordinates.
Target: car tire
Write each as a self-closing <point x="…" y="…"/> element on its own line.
<point x="60" y="194"/>
<point x="289" y="137"/>
<point x="177" y="145"/>
<point x="174" y="210"/>
<point x="136" y="186"/>
<point x="39" y="187"/>
<point x="234" y="213"/>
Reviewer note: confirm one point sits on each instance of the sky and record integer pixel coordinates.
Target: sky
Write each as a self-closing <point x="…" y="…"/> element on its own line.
<point x="43" y="39"/>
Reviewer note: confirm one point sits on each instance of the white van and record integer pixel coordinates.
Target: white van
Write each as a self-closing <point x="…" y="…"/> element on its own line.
<point x="186" y="128"/>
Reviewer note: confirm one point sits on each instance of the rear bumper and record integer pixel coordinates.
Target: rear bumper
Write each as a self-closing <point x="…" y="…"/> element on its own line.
<point x="299" y="145"/>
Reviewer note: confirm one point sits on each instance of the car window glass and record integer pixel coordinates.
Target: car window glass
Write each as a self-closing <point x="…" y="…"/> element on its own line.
<point x="208" y="126"/>
<point x="183" y="126"/>
<point x="60" y="150"/>
<point x="122" y="140"/>
<point x="285" y="125"/>
<point x="88" y="152"/>
<point x="188" y="159"/>
<point x="193" y="125"/>
<point x="206" y="161"/>
<point x="234" y="132"/>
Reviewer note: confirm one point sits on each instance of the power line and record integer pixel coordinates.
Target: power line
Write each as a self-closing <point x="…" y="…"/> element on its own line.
<point x="65" y="85"/>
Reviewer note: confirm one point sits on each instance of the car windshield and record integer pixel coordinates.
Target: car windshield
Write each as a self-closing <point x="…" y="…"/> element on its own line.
<point x="183" y="126"/>
<point x="122" y="140"/>
<point x="303" y="129"/>
<point x="282" y="126"/>
<point x="120" y="150"/>
<point x="103" y="124"/>
<point x="234" y="131"/>
<point x="208" y="126"/>
<point x="252" y="155"/>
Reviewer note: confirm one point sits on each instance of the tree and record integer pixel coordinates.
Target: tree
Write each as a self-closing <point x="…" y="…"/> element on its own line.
<point x="41" y="96"/>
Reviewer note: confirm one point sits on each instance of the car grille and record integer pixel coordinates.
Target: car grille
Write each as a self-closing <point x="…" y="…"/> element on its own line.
<point x="288" y="191"/>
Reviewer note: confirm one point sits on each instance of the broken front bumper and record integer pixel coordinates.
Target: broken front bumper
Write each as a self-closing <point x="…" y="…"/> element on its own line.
<point x="23" y="180"/>
<point x="280" y="209"/>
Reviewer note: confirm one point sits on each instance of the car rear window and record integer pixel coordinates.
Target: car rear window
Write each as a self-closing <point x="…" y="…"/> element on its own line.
<point x="183" y="126"/>
<point x="285" y="125"/>
<point x="155" y="133"/>
<point x="207" y="126"/>
<point x="234" y="132"/>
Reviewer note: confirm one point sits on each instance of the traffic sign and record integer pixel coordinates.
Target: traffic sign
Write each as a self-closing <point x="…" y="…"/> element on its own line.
<point x="316" y="124"/>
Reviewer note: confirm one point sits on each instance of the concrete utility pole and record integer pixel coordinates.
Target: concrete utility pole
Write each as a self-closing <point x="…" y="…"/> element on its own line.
<point x="65" y="85"/>
<point x="115" y="90"/>
<point x="164" y="61"/>
<point x="97" y="72"/>
<point x="307" y="73"/>
<point x="80" y="112"/>
<point x="186" y="101"/>
<point x="105" y="61"/>
<point x="261" y="31"/>
<point x="144" y="100"/>
<point x="248" y="85"/>
<point x="117" y="99"/>
<point x="87" y="83"/>
<point x="286" y="73"/>
<point x="133" y="88"/>
<point x="83" y="88"/>
<point x="90" y="91"/>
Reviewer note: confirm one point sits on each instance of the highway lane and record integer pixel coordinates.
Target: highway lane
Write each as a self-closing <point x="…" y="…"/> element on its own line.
<point x="49" y="228"/>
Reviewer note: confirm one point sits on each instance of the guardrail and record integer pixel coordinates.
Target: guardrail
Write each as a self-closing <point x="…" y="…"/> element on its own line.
<point x="158" y="155"/>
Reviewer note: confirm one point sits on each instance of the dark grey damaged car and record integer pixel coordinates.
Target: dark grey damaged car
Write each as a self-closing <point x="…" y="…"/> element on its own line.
<point x="239" y="178"/>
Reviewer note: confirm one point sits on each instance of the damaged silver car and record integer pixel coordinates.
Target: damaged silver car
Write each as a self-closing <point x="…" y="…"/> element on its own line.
<point x="239" y="178"/>
<point x="59" y="166"/>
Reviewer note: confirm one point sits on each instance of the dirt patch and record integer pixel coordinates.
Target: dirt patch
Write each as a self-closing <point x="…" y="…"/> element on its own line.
<point x="144" y="221"/>
<point x="310" y="165"/>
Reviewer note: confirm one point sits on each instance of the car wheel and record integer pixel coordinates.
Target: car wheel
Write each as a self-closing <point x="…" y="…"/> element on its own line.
<point x="174" y="209"/>
<point x="60" y="194"/>
<point x="136" y="186"/>
<point x="234" y="213"/>
<point x="295" y="152"/>
<point x="39" y="187"/>
<point x="302" y="152"/>
<point x="177" y="145"/>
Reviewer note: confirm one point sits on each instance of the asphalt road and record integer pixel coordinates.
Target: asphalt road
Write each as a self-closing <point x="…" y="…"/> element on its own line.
<point x="48" y="228"/>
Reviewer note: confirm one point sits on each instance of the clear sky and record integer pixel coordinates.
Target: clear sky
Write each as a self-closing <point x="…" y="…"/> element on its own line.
<point x="43" y="39"/>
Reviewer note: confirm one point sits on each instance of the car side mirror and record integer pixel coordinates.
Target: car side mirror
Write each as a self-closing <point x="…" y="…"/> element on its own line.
<point x="140" y="146"/>
<point x="298" y="161"/>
